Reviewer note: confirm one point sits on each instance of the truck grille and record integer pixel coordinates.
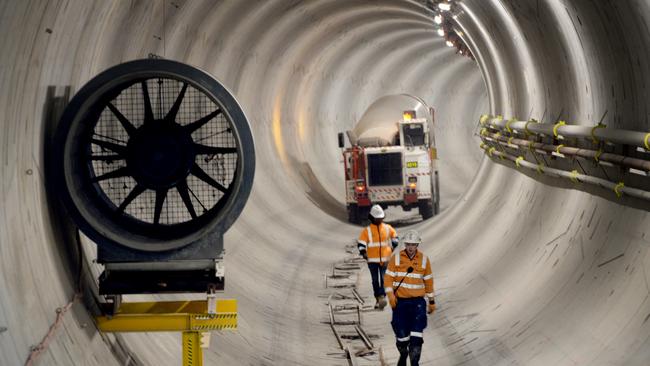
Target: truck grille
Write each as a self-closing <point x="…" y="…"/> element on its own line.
<point x="385" y="169"/>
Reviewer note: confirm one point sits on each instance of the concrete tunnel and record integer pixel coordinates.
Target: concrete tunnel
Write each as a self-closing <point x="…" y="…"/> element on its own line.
<point x="523" y="268"/>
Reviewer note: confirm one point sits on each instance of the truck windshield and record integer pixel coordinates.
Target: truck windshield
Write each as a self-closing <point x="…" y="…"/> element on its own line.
<point x="413" y="134"/>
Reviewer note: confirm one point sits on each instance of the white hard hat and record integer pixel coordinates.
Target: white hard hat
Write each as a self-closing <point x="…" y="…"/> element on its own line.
<point x="412" y="237"/>
<point x="377" y="212"/>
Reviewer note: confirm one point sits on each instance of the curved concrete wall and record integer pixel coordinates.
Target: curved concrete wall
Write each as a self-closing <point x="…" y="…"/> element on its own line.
<point x="523" y="269"/>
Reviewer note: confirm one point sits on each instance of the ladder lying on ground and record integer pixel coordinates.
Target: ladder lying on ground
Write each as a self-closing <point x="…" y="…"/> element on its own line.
<point x="345" y="307"/>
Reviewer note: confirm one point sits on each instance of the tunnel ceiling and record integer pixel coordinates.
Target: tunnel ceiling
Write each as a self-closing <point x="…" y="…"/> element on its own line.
<point x="526" y="273"/>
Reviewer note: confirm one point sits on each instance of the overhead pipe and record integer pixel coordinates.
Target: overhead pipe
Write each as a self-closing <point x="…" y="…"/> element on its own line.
<point x="596" y="155"/>
<point x="596" y="133"/>
<point x="618" y="188"/>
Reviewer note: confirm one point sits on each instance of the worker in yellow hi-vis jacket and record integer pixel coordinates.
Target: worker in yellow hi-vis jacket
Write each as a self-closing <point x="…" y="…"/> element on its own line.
<point x="409" y="285"/>
<point x="376" y="243"/>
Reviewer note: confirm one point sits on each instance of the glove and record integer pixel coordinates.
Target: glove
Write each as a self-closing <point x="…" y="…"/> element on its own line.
<point x="363" y="254"/>
<point x="431" y="308"/>
<point x="392" y="300"/>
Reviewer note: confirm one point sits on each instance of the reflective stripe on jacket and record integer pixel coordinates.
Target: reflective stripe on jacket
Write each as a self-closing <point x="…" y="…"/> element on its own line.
<point x="377" y="240"/>
<point x="418" y="283"/>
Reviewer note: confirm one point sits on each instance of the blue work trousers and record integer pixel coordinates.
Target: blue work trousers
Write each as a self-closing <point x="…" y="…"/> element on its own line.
<point x="377" y="273"/>
<point x="409" y="320"/>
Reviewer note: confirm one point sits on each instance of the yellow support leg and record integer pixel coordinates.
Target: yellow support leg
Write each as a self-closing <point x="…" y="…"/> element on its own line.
<point x="192" y="351"/>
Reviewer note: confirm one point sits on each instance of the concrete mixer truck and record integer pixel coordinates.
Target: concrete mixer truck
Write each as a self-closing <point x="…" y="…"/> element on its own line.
<point x="391" y="161"/>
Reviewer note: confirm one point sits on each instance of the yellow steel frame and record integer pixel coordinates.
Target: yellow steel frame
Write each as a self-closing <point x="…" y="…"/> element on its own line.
<point x="190" y="317"/>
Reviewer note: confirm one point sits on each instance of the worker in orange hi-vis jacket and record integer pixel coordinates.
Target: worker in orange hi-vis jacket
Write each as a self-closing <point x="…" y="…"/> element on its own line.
<point x="409" y="285"/>
<point x="376" y="243"/>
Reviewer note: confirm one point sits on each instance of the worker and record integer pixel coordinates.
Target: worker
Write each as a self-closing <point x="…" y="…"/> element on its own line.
<point x="409" y="285"/>
<point x="376" y="243"/>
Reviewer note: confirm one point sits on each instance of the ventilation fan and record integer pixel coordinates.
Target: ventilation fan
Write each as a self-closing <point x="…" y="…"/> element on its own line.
<point x="154" y="161"/>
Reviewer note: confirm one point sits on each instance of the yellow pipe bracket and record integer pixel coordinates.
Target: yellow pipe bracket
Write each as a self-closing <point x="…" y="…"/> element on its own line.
<point x="617" y="189"/>
<point x="526" y="130"/>
<point x="598" y="154"/>
<point x="556" y="126"/>
<point x="593" y="132"/>
<point x="517" y="162"/>
<point x="530" y="147"/>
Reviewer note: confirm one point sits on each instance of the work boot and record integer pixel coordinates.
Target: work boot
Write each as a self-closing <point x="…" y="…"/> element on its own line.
<point x="403" y="355"/>
<point x="414" y="354"/>
<point x="381" y="302"/>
